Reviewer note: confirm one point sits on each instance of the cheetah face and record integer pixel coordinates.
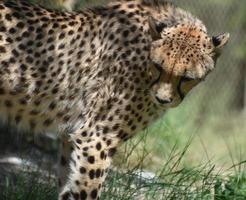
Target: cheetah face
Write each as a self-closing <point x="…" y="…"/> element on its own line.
<point x="182" y="55"/>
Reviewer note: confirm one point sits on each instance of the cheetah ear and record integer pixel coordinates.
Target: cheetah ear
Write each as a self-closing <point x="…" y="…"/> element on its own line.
<point x="220" y="41"/>
<point x="155" y="28"/>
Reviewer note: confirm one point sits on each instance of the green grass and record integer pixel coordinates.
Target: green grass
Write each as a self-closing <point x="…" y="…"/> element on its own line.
<point x="194" y="152"/>
<point x="172" y="182"/>
<point x="192" y="159"/>
<point x="27" y="186"/>
<point x="174" y="179"/>
<point x="216" y="135"/>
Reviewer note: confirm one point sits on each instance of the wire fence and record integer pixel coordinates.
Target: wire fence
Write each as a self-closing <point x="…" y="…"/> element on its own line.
<point x="225" y="88"/>
<point x="224" y="92"/>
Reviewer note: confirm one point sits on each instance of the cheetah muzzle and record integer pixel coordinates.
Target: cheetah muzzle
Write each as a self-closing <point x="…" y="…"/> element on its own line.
<point x="98" y="76"/>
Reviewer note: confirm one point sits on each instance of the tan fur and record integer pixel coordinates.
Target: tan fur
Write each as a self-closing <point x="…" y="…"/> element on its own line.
<point x="98" y="76"/>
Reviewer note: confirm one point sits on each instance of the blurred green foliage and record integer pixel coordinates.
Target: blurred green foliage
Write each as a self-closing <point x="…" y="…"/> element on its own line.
<point x="210" y="120"/>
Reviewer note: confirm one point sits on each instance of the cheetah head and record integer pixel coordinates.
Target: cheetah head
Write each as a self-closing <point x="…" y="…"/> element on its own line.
<point x="182" y="56"/>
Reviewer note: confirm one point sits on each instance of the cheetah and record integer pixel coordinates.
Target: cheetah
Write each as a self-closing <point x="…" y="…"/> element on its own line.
<point x="98" y="76"/>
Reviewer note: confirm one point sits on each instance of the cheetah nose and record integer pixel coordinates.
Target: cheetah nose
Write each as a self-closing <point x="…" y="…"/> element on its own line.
<point x="163" y="101"/>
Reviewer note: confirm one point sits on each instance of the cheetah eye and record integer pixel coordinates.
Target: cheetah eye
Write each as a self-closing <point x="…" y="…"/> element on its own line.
<point x="187" y="78"/>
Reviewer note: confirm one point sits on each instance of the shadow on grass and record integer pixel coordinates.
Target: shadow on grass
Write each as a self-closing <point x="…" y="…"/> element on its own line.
<point x="27" y="186"/>
<point x="173" y="182"/>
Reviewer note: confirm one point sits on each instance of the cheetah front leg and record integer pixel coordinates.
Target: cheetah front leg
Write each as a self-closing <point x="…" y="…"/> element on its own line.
<point x="90" y="159"/>
<point x="64" y="156"/>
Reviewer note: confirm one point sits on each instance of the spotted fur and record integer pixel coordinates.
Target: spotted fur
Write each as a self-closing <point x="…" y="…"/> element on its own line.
<point x="97" y="76"/>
